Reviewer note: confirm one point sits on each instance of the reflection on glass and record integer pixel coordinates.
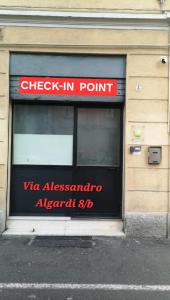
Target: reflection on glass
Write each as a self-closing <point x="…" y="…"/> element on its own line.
<point x="98" y="137"/>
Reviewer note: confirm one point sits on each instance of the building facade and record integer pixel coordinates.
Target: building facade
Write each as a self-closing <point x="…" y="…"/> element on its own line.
<point x="84" y="117"/>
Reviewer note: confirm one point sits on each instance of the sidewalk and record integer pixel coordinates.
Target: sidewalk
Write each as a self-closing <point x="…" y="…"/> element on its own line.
<point x="86" y="260"/>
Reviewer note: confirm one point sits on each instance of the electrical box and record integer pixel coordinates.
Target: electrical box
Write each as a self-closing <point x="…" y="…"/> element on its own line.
<point x="154" y="155"/>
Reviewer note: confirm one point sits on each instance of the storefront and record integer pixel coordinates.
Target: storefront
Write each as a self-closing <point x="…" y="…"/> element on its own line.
<point x="67" y="135"/>
<point x="84" y="118"/>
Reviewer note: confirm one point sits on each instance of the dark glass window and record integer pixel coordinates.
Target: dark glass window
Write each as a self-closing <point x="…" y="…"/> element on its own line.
<point x="98" y="137"/>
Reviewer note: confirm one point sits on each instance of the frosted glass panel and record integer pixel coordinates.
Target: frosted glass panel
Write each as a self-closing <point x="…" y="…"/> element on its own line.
<point x="42" y="134"/>
<point x="42" y="149"/>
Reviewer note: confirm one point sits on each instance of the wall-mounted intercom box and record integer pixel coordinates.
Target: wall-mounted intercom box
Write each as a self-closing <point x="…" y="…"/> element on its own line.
<point x="135" y="150"/>
<point x="154" y="155"/>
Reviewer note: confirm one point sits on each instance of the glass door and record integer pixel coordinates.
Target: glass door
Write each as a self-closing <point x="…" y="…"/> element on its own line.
<point x="99" y="160"/>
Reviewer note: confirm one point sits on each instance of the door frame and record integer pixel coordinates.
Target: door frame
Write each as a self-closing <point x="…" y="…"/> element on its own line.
<point x="76" y="106"/>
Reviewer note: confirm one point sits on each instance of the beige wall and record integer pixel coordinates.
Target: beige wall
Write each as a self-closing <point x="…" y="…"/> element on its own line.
<point x="123" y="5"/>
<point x="53" y="37"/>
<point x="4" y="104"/>
<point x="145" y="186"/>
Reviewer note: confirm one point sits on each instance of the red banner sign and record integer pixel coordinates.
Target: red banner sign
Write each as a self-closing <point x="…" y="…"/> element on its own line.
<point x="67" y="86"/>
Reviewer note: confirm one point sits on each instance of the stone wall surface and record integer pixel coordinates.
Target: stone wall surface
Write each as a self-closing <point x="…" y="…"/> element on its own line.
<point x="4" y="111"/>
<point x="104" y="5"/>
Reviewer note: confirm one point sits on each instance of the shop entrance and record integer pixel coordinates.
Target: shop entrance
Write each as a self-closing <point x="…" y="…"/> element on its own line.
<point x="66" y="161"/>
<point x="66" y="135"/>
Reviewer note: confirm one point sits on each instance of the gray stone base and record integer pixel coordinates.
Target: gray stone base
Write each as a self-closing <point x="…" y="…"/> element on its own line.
<point x="146" y="225"/>
<point x="168" y="227"/>
<point x="2" y="220"/>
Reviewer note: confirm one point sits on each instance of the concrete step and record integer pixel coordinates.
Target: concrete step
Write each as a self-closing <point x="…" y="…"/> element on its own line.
<point x="63" y="227"/>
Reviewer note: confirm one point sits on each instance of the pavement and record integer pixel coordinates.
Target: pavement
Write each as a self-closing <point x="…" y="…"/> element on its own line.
<point x="84" y="268"/>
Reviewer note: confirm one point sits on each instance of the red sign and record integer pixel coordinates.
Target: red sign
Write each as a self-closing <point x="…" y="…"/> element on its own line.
<point x="67" y="86"/>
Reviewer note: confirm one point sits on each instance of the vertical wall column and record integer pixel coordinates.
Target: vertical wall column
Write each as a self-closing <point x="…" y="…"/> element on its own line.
<point x="4" y="112"/>
<point x="168" y="227"/>
<point x="146" y="198"/>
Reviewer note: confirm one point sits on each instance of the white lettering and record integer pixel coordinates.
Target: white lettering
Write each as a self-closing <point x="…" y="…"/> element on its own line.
<point x="47" y="85"/>
<point x="70" y="86"/>
<point x="82" y="86"/>
<point x="40" y="85"/>
<point x="32" y="85"/>
<point x="97" y="87"/>
<point x="65" y="86"/>
<point x="90" y="87"/>
<point x="24" y="85"/>
<point x="102" y="87"/>
<point x="109" y="86"/>
<point x="55" y="86"/>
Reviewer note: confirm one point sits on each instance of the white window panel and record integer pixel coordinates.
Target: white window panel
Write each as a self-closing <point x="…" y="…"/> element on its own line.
<point x="42" y="149"/>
